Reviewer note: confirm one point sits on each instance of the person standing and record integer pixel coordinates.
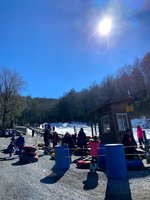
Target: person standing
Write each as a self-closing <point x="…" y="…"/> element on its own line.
<point x="55" y="138"/>
<point x="53" y="128"/>
<point x="67" y="139"/>
<point x="74" y="136"/>
<point x="94" y="146"/>
<point x="81" y="140"/>
<point x="129" y="144"/>
<point x="20" y="142"/>
<point x="33" y="131"/>
<point x="140" y="136"/>
<point x="46" y="137"/>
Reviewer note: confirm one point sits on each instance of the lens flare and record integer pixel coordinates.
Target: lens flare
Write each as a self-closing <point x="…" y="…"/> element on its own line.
<point x="105" y="26"/>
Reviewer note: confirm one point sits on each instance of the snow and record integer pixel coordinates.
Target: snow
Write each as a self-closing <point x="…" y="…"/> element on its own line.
<point x="143" y="121"/>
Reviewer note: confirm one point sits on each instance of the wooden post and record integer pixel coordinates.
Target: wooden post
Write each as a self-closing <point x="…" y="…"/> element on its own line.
<point x="95" y="129"/>
<point x="92" y="129"/>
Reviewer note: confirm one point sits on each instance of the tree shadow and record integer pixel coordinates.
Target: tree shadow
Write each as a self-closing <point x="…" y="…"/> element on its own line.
<point x="118" y="190"/>
<point x="55" y="176"/>
<point x="91" y="182"/>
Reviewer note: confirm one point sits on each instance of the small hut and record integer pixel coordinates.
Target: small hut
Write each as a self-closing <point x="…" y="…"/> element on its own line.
<point x="111" y="119"/>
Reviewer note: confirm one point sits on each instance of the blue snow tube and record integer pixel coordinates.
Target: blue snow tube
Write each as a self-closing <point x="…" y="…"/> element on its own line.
<point x="135" y="164"/>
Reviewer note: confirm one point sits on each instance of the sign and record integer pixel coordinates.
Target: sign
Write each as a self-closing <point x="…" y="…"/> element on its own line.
<point x="129" y="108"/>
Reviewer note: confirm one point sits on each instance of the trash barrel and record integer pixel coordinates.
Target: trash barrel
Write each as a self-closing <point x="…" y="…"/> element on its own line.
<point x="115" y="161"/>
<point x="62" y="157"/>
<point x="102" y="155"/>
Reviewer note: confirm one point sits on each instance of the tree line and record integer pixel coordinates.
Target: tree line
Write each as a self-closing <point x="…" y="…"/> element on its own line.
<point x="130" y="80"/>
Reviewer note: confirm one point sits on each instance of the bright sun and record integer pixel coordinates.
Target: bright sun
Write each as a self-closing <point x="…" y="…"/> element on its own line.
<point x="105" y="26"/>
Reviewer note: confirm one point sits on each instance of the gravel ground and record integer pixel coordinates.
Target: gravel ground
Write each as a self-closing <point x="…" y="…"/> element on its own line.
<point x="40" y="180"/>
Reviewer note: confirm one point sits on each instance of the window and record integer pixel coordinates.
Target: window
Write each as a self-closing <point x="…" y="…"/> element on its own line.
<point x="105" y="124"/>
<point x="122" y="121"/>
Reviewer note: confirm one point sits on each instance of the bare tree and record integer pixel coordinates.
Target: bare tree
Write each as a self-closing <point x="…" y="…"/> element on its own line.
<point x="11" y="85"/>
<point x="145" y="67"/>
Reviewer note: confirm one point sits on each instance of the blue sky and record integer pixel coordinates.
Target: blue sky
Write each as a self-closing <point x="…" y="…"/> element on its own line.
<point x="55" y="46"/>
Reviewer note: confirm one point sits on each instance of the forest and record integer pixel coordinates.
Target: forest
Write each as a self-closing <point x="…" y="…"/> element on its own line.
<point x="130" y="80"/>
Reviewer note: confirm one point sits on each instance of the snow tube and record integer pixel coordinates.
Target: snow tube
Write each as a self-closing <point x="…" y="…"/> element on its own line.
<point x="52" y="153"/>
<point x="134" y="164"/>
<point x="52" y="156"/>
<point x="28" y="158"/>
<point x="29" y="149"/>
<point x="81" y="152"/>
<point x="83" y="164"/>
<point x="29" y="153"/>
<point x="40" y="144"/>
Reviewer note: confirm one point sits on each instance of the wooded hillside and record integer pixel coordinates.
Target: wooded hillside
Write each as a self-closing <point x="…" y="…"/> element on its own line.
<point x="130" y="80"/>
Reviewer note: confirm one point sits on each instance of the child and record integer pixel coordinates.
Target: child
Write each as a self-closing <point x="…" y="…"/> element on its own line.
<point x="94" y="145"/>
<point x="140" y="136"/>
<point x="10" y="148"/>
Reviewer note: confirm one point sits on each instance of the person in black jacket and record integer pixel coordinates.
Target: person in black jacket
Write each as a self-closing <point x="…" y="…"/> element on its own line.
<point x="67" y="139"/>
<point x="81" y="140"/>
<point x="129" y="144"/>
<point x="46" y="138"/>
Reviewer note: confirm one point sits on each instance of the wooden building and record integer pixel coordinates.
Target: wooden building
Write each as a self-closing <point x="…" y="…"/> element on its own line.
<point x="111" y="119"/>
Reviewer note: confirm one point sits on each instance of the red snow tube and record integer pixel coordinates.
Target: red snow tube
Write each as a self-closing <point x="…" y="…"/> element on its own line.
<point x="29" y="155"/>
<point x="83" y="164"/>
<point x="29" y="149"/>
<point x="28" y="159"/>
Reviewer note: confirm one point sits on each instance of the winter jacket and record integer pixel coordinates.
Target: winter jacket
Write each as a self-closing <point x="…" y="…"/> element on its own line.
<point x="94" y="145"/>
<point x="139" y="132"/>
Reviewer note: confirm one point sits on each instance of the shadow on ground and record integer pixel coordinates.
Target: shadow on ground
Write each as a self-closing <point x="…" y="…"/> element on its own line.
<point x="7" y="158"/>
<point x="18" y="163"/>
<point x="55" y="176"/>
<point x="139" y="173"/>
<point x="91" y="182"/>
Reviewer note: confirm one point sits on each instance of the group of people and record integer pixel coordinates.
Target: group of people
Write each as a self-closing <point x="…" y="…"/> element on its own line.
<point x="79" y="140"/>
<point x="130" y="144"/>
<point x="50" y="136"/>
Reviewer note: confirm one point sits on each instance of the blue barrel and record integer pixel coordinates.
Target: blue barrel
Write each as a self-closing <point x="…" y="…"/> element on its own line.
<point x="102" y="155"/>
<point x="115" y="161"/>
<point x="62" y="157"/>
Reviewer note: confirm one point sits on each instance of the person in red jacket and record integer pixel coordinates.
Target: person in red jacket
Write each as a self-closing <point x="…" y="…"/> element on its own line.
<point x="140" y="136"/>
<point x="94" y="146"/>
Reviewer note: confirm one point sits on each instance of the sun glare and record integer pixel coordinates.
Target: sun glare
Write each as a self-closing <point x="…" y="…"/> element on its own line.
<point x="105" y="26"/>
